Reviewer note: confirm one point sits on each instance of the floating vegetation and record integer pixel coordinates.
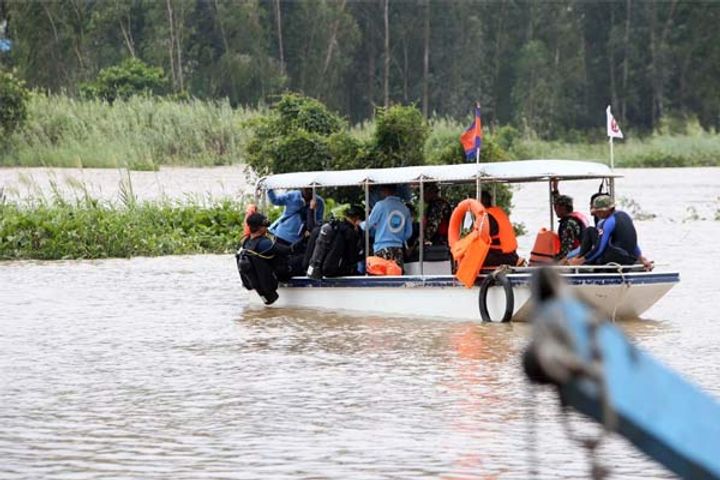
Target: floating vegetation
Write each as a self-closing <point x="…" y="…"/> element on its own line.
<point x="87" y="228"/>
<point x="637" y="212"/>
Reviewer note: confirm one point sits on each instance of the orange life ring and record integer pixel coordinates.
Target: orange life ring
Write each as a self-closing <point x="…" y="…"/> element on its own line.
<point x="458" y="216"/>
<point x="470" y="251"/>
<point x="251" y="208"/>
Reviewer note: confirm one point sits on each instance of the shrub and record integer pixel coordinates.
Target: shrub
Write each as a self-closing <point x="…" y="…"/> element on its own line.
<point x="131" y="77"/>
<point x="297" y="134"/>
<point x="399" y="137"/>
<point x="13" y="103"/>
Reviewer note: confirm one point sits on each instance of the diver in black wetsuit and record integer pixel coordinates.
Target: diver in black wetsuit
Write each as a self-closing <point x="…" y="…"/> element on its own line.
<point x="262" y="261"/>
<point x="613" y="241"/>
<point x="335" y="248"/>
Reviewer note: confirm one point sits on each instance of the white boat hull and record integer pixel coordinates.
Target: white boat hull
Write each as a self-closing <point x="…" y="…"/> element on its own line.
<point x="619" y="296"/>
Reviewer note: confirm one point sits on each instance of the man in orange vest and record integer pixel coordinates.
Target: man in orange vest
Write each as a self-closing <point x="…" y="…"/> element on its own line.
<point x="503" y="245"/>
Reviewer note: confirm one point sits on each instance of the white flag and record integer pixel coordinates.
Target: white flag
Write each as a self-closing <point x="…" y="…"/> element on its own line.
<point x="613" y="130"/>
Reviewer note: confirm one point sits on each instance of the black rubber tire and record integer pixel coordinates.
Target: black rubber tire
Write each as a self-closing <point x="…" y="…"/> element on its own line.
<point x="491" y="281"/>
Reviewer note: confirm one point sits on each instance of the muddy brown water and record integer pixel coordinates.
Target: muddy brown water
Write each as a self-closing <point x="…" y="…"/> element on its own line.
<point x="156" y="367"/>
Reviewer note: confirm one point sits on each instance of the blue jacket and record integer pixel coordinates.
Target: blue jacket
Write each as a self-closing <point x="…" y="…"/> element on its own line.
<point x="390" y="222"/>
<point x="292" y="222"/>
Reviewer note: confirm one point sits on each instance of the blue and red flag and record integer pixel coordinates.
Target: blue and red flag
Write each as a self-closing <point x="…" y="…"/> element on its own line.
<point x="471" y="139"/>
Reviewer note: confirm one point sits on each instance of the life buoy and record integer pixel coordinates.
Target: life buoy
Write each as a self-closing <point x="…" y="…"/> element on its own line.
<point x="458" y="216"/>
<point x="505" y="239"/>
<point x="251" y="208"/>
<point x="499" y="279"/>
<point x="469" y="252"/>
<point x="546" y="247"/>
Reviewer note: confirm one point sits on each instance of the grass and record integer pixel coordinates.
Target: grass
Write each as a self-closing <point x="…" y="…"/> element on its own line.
<point x="56" y="228"/>
<point x="140" y="133"/>
<point x="145" y="133"/>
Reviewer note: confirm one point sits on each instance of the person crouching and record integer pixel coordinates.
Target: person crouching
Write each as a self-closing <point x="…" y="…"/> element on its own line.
<point x="262" y="261"/>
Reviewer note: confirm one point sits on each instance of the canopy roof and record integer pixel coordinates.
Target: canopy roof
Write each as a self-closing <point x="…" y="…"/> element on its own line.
<point x="499" y="172"/>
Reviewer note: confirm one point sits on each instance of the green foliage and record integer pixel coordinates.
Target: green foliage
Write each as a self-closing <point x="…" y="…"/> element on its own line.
<point x="399" y="137"/>
<point x="13" y="104"/>
<point x="140" y="133"/>
<point x="295" y="135"/>
<point x="131" y="77"/>
<point x="92" y="229"/>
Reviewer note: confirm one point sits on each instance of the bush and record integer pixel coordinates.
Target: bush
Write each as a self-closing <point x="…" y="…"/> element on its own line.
<point x="298" y="134"/>
<point x="131" y="77"/>
<point x="399" y="137"/>
<point x="13" y="104"/>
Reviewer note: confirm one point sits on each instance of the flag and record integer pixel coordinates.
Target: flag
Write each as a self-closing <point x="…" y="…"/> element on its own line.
<point x="613" y="130"/>
<point x="472" y="138"/>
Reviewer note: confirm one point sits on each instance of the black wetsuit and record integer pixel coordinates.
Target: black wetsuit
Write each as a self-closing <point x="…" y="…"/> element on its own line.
<point x="613" y="241"/>
<point x="262" y="262"/>
<point x="341" y="254"/>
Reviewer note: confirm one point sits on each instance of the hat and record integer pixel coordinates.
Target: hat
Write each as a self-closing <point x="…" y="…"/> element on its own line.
<point x="355" y="211"/>
<point x="602" y="202"/>
<point x="564" y="201"/>
<point x="257" y="220"/>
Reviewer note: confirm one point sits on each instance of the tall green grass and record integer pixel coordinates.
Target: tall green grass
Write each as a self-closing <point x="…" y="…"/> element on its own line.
<point x="58" y="229"/>
<point x="140" y="133"/>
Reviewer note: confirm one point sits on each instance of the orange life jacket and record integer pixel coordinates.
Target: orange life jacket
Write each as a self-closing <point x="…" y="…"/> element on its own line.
<point x="547" y="246"/>
<point x="583" y="221"/>
<point x="505" y="239"/>
<point x="381" y="266"/>
<point x="251" y="208"/>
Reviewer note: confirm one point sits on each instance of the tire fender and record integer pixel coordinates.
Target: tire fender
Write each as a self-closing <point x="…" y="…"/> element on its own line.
<point x="491" y="280"/>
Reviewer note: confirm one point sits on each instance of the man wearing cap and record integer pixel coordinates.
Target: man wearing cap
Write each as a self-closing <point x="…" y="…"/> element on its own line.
<point x="571" y="225"/>
<point x="261" y="260"/>
<point x="614" y="240"/>
<point x="303" y="211"/>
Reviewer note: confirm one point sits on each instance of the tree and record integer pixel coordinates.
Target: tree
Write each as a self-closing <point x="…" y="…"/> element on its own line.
<point x="131" y="77"/>
<point x="13" y="103"/>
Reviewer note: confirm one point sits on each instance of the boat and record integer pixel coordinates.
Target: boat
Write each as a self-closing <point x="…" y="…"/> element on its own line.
<point x="429" y="289"/>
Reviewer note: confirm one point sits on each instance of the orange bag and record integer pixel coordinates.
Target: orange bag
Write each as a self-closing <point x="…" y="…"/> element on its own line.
<point x="547" y="246"/>
<point x="381" y="266"/>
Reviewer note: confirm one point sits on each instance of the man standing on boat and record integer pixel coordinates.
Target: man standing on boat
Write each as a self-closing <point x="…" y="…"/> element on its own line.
<point x="391" y="224"/>
<point x="572" y="224"/>
<point x="303" y="211"/>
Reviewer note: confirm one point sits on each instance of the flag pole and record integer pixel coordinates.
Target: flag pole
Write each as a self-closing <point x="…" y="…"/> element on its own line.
<point x="611" y="182"/>
<point x="477" y="162"/>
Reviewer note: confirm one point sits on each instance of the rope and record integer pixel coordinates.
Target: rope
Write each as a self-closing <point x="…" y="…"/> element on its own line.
<point x="624" y="292"/>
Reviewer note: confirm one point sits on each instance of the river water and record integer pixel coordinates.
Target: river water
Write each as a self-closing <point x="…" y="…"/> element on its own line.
<point x="156" y="368"/>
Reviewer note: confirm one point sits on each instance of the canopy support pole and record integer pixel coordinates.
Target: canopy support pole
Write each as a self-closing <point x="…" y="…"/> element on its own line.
<point x="421" y="238"/>
<point x="367" y="227"/>
<point x="552" y="210"/>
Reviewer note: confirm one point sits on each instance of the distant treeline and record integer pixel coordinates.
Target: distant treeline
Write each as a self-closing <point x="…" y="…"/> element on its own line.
<point x="547" y="67"/>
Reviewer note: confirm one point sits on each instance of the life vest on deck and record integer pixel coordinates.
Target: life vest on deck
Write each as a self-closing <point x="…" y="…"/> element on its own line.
<point x="505" y="239"/>
<point x="546" y="247"/>
<point x="382" y="266"/>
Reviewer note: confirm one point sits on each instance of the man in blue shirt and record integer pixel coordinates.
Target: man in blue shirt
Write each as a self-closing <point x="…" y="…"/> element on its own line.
<point x="391" y="224"/>
<point x="613" y="241"/>
<point x="303" y="211"/>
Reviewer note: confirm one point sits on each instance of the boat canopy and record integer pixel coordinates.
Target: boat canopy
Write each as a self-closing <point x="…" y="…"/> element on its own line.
<point x="498" y="172"/>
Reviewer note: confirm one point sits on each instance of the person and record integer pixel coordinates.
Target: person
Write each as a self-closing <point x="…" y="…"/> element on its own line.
<point x="335" y="248"/>
<point x="572" y="224"/>
<point x="303" y="211"/>
<point x="614" y="240"/>
<point x="503" y="244"/>
<point x="391" y="224"/>
<point x="437" y="216"/>
<point x="262" y="261"/>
